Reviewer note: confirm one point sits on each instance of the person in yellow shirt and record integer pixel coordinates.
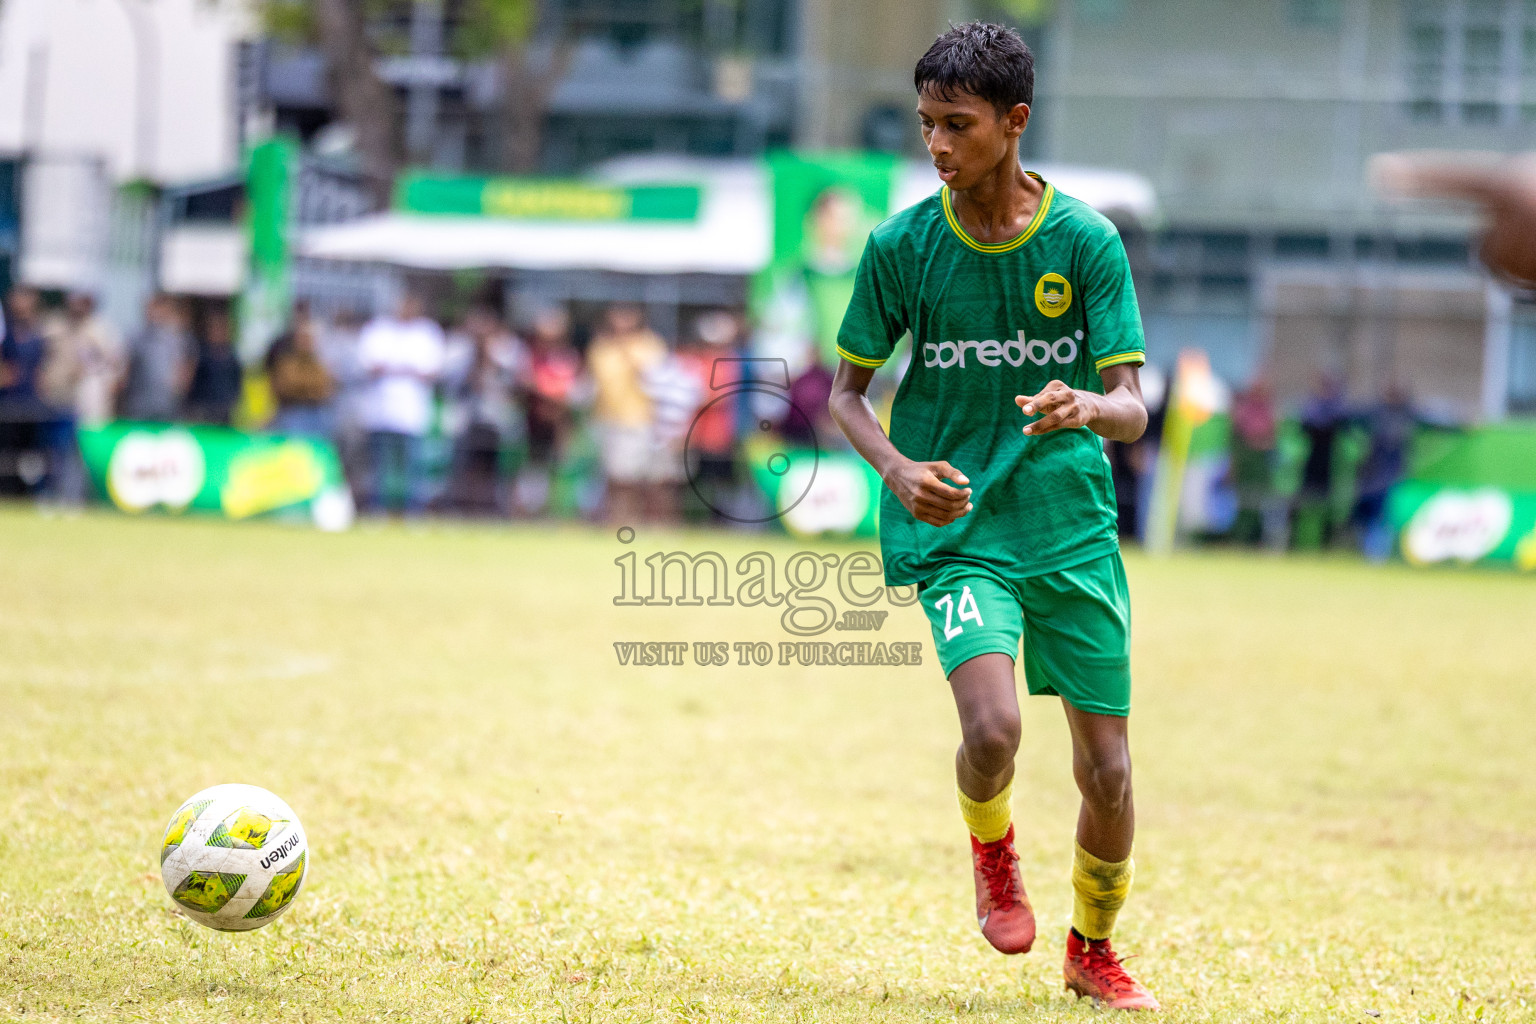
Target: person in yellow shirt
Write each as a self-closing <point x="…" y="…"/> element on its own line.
<point x="621" y="353"/>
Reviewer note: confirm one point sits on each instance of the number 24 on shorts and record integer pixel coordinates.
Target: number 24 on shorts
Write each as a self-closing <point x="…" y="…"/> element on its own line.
<point x="967" y="609"/>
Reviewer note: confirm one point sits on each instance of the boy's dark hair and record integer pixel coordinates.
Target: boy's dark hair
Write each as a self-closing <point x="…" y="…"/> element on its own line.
<point x="989" y="61"/>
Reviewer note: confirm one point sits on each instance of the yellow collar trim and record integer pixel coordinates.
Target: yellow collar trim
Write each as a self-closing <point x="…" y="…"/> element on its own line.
<point x="1012" y="243"/>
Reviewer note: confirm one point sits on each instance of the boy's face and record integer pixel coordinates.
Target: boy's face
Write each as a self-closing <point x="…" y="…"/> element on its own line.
<point x="966" y="136"/>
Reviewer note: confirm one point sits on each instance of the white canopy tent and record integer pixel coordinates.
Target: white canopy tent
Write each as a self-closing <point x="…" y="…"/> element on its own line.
<point x="732" y="234"/>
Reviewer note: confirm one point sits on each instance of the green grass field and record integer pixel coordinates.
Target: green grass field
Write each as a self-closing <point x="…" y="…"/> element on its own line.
<point x="1336" y="785"/>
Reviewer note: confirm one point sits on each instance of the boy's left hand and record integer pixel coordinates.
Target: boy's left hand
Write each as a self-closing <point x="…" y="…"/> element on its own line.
<point x="1059" y="408"/>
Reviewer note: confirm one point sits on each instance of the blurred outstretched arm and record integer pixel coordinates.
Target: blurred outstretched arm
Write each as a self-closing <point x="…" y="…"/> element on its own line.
<point x="1505" y="190"/>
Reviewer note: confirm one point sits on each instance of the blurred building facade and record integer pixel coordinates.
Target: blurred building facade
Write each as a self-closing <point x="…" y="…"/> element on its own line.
<point x="1253" y="119"/>
<point x="95" y="95"/>
<point x="608" y="78"/>
<point x="147" y="87"/>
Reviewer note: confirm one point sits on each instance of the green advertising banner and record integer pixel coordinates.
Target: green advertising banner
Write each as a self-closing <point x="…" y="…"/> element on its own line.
<point x="824" y="206"/>
<point x="1459" y="525"/>
<point x="545" y="199"/>
<point x="267" y="301"/>
<point x="143" y="467"/>
<point x="1470" y="498"/>
<point x="817" y="494"/>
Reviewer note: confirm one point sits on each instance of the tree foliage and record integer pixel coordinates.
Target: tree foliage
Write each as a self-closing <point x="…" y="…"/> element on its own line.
<point x="1028" y="12"/>
<point x="290" y="21"/>
<point x="494" y="26"/>
<point x="482" y="28"/>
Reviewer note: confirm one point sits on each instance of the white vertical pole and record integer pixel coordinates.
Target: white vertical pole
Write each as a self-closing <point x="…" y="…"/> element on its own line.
<point x="422" y="93"/>
<point x="1497" y="325"/>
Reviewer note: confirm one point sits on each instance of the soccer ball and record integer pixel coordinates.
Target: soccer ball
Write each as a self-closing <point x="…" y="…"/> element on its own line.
<point x="233" y="857"/>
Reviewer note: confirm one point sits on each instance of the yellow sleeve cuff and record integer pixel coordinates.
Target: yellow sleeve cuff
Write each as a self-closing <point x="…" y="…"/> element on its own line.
<point x="859" y="360"/>
<point x="1121" y="357"/>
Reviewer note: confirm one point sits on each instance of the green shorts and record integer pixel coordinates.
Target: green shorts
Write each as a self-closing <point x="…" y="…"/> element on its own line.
<point x="1075" y="624"/>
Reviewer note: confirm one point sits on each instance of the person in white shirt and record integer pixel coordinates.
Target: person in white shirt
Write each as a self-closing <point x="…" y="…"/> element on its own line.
<point x="485" y="361"/>
<point x="82" y="369"/>
<point x="401" y="360"/>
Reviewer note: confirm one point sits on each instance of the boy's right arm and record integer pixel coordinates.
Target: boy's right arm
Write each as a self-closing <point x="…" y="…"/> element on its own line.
<point x="919" y="486"/>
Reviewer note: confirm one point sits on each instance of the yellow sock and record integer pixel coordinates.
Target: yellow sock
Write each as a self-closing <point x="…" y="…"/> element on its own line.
<point x="1099" y="889"/>
<point x="988" y="821"/>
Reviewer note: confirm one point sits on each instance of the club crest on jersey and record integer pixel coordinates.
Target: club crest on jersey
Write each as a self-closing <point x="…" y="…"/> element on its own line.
<point x="1053" y="295"/>
<point x="1014" y="351"/>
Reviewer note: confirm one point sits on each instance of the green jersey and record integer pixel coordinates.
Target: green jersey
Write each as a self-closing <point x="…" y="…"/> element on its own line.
<point x="988" y="323"/>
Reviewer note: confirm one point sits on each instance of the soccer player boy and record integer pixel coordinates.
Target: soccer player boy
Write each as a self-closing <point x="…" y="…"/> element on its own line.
<point x="998" y="504"/>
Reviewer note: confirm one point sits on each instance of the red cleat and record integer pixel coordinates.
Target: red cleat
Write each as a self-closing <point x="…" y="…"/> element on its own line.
<point x="1002" y="908"/>
<point x="1094" y="970"/>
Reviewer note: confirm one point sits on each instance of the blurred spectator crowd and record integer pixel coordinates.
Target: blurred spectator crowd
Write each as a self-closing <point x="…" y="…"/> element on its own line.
<point x="1313" y="476"/>
<point x="476" y="418"/>
<point x="485" y="418"/>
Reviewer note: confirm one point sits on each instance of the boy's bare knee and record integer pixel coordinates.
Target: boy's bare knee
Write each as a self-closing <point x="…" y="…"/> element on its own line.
<point x="991" y="742"/>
